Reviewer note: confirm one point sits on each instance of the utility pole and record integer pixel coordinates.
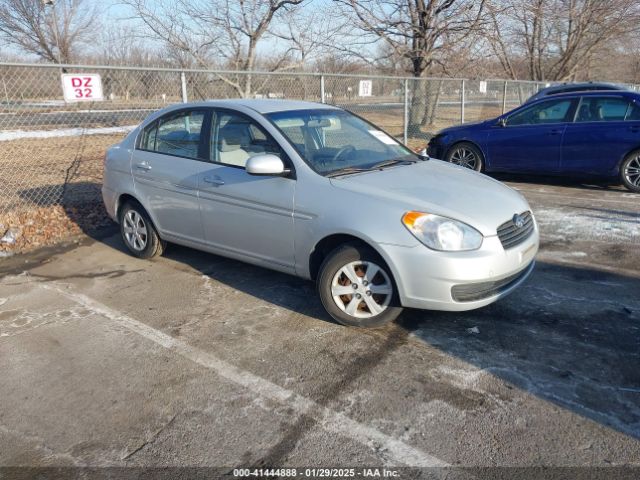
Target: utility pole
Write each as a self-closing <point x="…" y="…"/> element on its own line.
<point x="52" y="4"/>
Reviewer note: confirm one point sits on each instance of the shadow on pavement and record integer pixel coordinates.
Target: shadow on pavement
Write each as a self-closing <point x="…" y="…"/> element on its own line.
<point x="569" y="335"/>
<point x="583" y="183"/>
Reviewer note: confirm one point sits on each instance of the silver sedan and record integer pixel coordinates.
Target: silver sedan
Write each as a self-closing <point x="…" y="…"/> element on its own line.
<point x="317" y="192"/>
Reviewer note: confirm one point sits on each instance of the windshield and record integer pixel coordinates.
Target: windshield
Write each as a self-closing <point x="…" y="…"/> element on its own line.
<point x="334" y="141"/>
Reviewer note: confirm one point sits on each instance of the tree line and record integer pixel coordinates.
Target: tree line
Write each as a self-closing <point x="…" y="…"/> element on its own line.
<point x="548" y="40"/>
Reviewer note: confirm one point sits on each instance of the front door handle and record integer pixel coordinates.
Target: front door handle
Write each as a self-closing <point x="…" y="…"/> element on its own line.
<point x="143" y="166"/>
<point x="555" y="131"/>
<point x="215" y="181"/>
<point x="634" y="129"/>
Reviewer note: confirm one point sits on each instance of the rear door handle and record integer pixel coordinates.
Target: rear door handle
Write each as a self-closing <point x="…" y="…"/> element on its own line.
<point x="143" y="166"/>
<point x="634" y="129"/>
<point x="215" y="181"/>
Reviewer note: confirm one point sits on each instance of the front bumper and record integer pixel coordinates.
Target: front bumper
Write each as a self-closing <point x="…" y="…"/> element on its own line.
<point x="435" y="150"/>
<point x="426" y="278"/>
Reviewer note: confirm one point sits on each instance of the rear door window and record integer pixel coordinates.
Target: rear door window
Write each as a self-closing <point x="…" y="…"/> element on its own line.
<point x="602" y="109"/>
<point x="176" y="134"/>
<point x="633" y="112"/>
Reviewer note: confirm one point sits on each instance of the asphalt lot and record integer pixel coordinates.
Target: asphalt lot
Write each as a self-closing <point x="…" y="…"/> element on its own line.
<point x="196" y="360"/>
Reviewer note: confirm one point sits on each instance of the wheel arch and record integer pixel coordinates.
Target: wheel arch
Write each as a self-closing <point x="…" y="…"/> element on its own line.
<point x="330" y="242"/>
<point x="621" y="160"/>
<point x="125" y="198"/>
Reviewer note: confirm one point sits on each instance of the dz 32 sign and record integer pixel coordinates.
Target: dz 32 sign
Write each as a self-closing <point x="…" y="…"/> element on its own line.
<point x="82" y="87"/>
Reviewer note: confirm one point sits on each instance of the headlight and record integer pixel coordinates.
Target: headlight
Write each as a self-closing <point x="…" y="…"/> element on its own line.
<point x="441" y="233"/>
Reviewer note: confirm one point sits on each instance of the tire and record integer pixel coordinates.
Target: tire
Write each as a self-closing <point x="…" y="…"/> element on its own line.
<point x="351" y="260"/>
<point x="467" y="155"/>
<point x="630" y="171"/>
<point x="138" y="232"/>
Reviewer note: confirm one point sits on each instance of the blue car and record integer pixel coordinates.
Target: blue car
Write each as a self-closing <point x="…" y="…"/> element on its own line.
<point x="585" y="134"/>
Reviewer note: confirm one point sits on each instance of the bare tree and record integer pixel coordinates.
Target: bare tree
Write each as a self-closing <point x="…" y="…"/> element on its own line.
<point x="421" y="34"/>
<point x="212" y="33"/>
<point x="51" y="29"/>
<point x="556" y="39"/>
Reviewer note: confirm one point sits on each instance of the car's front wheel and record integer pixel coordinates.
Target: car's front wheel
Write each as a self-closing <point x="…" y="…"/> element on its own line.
<point x="356" y="287"/>
<point x="466" y="155"/>
<point x="138" y="232"/>
<point x="630" y="171"/>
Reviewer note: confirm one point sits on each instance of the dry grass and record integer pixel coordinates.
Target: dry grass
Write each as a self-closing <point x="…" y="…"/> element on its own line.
<point x="51" y="188"/>
<point x="36" y="171"/>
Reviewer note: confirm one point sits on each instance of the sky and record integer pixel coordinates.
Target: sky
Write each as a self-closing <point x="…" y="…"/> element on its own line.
<point x="113" y="12"/>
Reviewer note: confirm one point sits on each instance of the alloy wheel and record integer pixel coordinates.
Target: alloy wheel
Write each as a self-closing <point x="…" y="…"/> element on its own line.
<point x="632" y="171"/>
<point x="135" y="230"/>
<point x="464" y="157"/>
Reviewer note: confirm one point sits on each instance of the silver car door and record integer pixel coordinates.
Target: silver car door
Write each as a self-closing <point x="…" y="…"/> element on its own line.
<point x="166" y="164"/>
<point x="245" y="216"/>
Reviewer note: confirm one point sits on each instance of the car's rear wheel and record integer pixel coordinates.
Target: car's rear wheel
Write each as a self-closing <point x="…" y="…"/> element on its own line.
<point x="630" y="171"/>
<point x="138" y="232"/>
<point x="356" y="287"/>
<point x="466" y="155"/>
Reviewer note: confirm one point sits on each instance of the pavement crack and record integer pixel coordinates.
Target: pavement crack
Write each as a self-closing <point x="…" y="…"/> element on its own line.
<point x="151" y="439"/>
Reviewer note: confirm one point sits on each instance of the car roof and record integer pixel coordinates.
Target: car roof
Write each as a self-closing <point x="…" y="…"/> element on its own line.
<point x="263" y="105"/>
<point x="562" y="86"/>
<point x="586" y="85"/>
<point x="591" y="93"/>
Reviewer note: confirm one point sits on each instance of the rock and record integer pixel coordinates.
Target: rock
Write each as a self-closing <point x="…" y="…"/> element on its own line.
<point x="11" y="235"/>
<point x="473" y="330"/>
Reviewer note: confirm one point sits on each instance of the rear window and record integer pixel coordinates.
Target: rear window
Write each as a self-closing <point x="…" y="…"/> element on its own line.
<point x="602" y="109"/>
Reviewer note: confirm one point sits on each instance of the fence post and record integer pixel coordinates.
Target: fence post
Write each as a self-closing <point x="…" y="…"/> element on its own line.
<point x="405" y="136"/>
<point x="504" y="97"/>
<point x="6" y="94"/>
<point x="462" y="102"/>
<point x="322" y="89"/>
<point x="183" y="81"/>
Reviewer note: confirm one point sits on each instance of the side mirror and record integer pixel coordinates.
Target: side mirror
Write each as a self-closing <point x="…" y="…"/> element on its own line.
<point x="502" y="122"/>
<point x="266" y="165"/>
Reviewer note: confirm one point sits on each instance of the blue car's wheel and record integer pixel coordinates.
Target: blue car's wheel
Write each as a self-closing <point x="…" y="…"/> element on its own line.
<point x="630" y="171"/>
<point x="466" y="155"/>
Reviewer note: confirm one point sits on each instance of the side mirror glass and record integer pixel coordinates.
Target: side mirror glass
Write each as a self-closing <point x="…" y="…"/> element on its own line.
<point x="266" y="165"/>
<point x="502" y="122"/>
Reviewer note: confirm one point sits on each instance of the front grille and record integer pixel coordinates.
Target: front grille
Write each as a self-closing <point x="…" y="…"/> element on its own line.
<point x="510" y="235"/>
<point x="471" y="292"/>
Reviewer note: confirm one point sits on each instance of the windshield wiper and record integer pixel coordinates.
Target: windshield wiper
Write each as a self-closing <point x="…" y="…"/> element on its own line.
<point x="393" y="161"/>
<point x="346" y="171"/>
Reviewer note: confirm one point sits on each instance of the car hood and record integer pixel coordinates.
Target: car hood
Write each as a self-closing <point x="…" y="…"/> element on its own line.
<point x="464" y="126"/>
<point x="443" y="189"/>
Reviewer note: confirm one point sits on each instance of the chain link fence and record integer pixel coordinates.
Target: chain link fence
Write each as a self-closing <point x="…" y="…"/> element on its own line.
<point x="51" y="152"/>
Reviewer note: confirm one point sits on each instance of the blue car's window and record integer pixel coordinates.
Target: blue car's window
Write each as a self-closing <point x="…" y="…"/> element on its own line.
<point x="602" y="109"/>
<point x="633" y="113"/>
<point x="552" y="111"/>
<point x="332" y="140"/>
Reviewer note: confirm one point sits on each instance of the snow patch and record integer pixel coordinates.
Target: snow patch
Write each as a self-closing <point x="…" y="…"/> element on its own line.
<point x="588" y="224"/>
<point x="8" y="135"/>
